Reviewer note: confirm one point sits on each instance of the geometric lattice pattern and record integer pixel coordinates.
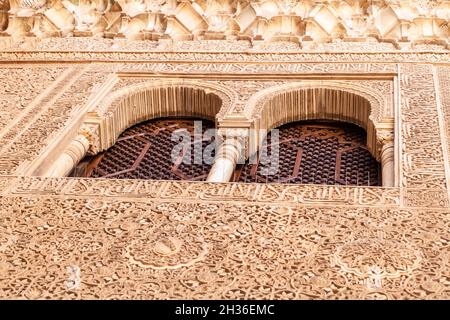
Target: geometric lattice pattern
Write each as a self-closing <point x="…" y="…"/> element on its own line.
<point x="144" y="151"/>
<point x="315" y="153"/>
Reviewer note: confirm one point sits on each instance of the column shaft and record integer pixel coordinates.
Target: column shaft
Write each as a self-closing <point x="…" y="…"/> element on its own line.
<point x="387" y="164"/>
<point x="225" y="161"/>
<point x="74" y="152"/>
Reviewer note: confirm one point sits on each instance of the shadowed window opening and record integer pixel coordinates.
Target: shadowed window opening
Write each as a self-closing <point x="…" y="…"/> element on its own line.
<point x="144" y="152"/>
<point x="319" y="152"/>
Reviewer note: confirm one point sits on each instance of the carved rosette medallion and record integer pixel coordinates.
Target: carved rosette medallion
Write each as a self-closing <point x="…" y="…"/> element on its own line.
<point x="383" y="257"/>
<point x="171" y="249"/>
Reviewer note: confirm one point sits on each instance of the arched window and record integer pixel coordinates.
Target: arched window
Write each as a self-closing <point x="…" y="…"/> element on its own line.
<point x="128" y="107"/>
<point x="323" y="155"/>
<point x="144" y="151"/>
<point x="313" y="152"/>
<point x="336" y="144"/>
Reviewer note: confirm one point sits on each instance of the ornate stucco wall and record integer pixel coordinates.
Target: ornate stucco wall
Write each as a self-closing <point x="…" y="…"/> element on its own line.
<point x="164" y="239"/>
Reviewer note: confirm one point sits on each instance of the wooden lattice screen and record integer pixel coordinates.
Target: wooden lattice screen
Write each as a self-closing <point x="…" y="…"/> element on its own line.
<point x="309" y="153"/>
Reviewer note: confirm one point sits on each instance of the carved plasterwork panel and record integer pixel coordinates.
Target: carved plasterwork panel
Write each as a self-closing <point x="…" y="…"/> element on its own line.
<point x="99" y="44"/>
<point x="15" y="99"/>
<point x="423" y="169"/>
<point x="166" y="239"/>
<point x="242" y="193"/>
<point x="125" y="88"/>
<point x="244" y="96"/>
<point x="267" y="68"/>
<point x="442" y="81"/>
<point x="78" y="86"/>
<point x="123" y="249"/>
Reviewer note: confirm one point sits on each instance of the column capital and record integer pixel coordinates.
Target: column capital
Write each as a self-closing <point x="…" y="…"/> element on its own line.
<point x="240" y="135"/>
<point x="74" y="152"/>
<point x="91" y="132"/>
<point x="385" y="137"/>
<point x="385" y="140"/>
<point x="77" y="148"/>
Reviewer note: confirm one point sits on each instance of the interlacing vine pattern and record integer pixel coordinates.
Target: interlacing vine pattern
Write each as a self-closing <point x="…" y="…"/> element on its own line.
<point x="72" y="237"/>
<point x="123" y="249"/>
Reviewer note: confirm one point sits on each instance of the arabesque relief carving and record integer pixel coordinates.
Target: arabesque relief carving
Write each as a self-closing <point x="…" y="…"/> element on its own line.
<point x="423" y="165"/>
<point x="68" y="66"/>
<point x="124" y="248"/>
<point x="248" y="57"/>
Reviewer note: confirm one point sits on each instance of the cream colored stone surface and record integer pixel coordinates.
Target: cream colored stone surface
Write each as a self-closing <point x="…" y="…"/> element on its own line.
<point x="167" y="239"/>
<point x="303" y="24"/>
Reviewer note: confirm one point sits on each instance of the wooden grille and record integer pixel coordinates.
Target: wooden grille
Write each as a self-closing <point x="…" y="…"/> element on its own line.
<point x="144" y="152"/>
<point x="309" y="153"/>
<point x="316" y="153"/>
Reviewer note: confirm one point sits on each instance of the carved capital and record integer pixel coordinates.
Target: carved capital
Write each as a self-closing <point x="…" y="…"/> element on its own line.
<point x="240" y="135"/>
<point x="78" y="148"/>
<point x="385" y="137"/>
<point x="91" y="132"/>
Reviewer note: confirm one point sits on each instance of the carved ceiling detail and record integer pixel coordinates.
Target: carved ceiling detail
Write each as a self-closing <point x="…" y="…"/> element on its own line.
<point x="262" y="22"/>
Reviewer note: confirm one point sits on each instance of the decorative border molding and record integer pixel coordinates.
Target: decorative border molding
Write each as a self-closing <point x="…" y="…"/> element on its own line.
<point x="290" y="69"/>
<point x="270" y="57"/>
<point x="442" y="84"/>
<point x="422" y="155"/>
<point x="217" y="192"/>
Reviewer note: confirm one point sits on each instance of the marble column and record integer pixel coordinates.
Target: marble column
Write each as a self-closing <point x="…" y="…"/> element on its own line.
<point x="225" y="162"/>
<point x="387" y="164"/>
<point x="73" y="154"/>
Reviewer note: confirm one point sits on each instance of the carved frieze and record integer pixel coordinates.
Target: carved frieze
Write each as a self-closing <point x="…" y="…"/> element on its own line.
<point x="248" y="57"/>
<point x="442" y="82"/>
<point x="218" y="250"/>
